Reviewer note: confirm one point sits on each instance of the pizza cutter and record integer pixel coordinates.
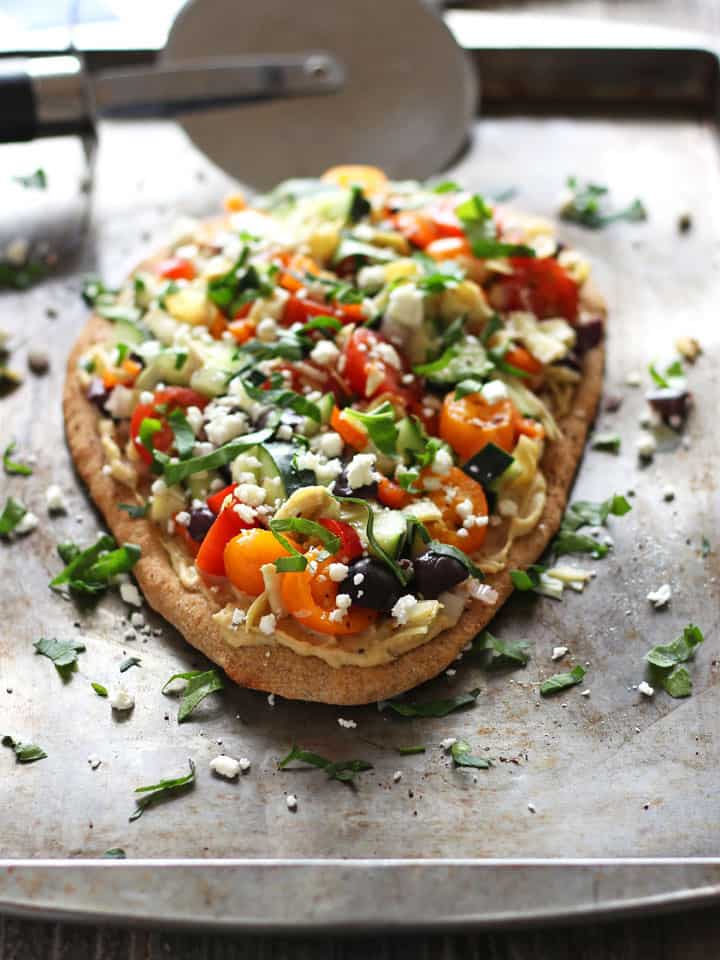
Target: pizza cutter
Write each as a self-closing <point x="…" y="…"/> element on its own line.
<point x="270" y="90"/>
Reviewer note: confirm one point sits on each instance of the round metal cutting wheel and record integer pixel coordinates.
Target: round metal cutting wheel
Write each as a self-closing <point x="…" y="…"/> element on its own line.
<point x="406" y="105"/>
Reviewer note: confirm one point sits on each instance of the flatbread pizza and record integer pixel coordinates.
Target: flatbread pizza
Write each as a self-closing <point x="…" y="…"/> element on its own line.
<point x="334" y="422"/>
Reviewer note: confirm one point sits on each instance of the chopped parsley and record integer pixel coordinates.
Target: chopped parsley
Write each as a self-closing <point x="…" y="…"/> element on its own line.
<point x="431" y="708"/>
<point x="561" y="681"/>
<point x="462" y="755"/>
<point x="240" y="285"/>
<point x="163" y="790"/>
<point x="12" y="514"/>
<point x="343" y="770"/>
<point x="588" y="207"/>
<point x="200" y="684"/>
<point x="285" y="399"/>
<point x="24" y="752"/>
<point x="12" y="467"/>
<point x="63" y="653"/>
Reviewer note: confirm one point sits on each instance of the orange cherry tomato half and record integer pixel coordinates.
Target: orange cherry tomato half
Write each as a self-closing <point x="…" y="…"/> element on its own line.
<point x="470" y="423"/>
<point x="457" y="488"/>
<point x="247" y="553"/>
<point x="311" y="599"/>
<point x="392" y="495"/>
<point x="522" y="359"/>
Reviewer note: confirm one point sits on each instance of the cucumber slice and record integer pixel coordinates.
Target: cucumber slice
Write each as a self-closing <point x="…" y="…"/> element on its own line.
<point x="283" y="457"/>
<point x="390" y="530"/>
<point x="424" y="510"/>
<point x="127" y="331"/>
<point x="464" y="360"/>
<point x="411" y="436"/>
<point x="325" y="406"/>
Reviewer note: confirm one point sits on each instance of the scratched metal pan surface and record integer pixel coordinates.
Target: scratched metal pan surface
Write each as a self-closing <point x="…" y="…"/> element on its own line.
<point x="603" y="777"/>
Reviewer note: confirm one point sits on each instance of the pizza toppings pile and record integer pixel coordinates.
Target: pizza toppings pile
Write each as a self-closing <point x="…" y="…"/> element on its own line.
<point x="334" y="406"/>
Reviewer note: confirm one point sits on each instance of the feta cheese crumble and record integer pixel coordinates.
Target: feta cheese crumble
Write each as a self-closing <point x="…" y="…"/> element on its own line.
<point x="225" y="766"/>
<point x="361" y="470"/>
<point x="347" y="724"/>
<point x="291" y="801"/>
<point x="403" y="608"/>
<point x="54" y="499"/>
<point x="325" y="353"/>
<point x="558" y="653"/>
<point x="405" y="307"/>
<point x="267" y="624"/>
<point x="338" y="572"/>
<point x="122" y="701"/>
<point x="658" y="598"/>
<point x="130" y="594"/>
<point x="645" y="689"/>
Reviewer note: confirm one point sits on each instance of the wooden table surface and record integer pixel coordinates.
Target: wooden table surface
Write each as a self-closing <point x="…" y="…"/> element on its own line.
<point x="669" y="937"/>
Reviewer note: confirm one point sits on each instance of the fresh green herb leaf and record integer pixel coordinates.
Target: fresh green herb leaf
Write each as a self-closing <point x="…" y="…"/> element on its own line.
<point x="130" y="662"/>
<point x="321" y="323"/>
<point x="24" y="752"/>
<point x="587" y="206"/>
<point x="502" y="652"/>
<point x="491" y="328"/>
<point x="288" y="346"/>
<point x="176" y="472"/>
<point x="375" y="549"/>
<point x="180" y="359"/>
<point x="361" y="252"/>
<point x="561" y="681"/>
<point x="480" y="229"/>
<point x="135" y="510"/>
<point x="343" y="770"/>
<point x="662" y="380"/>
<point x="430" y="708"/>
<point x="410" y="751"/>
<point x="677" y="682"/>
<point x="63" y="653"/>
<point x="200" y="683"/>
<point x="680" y="650"/>
<point x="586" y="513"/>
<point x="447" y="550"/>
<point x="21" y="277"/>
<point x="527" y="579"/>
<point x="487" y="465"/>
<point x="705" y="548"/>
<point x="68" y="551"/>
<point x="568" y="542"/>
<point x="115" y="853"/>
<point x="162" y="790"/>
<point x="184" y="436"/>
<point x="37" y="180"/>
<point x="240" y="285"/>
<point x="359" y="204"/>
<point x="675" y="370"/>
<point x="407" y="479"/>
<point x="12" y="514"/>
<point x="462" y="756"/>
<point x="99" y="689"/>
<point x="446" y="186"/>
<point x="305" y="528"/>
<point x="379" y="424"/>
<point x="88" y="572"/>
<point x="120" y="560"/>
<point x="284" y="399"/>
<point x="12" y="467"/>
<point x="609" y="442"/>
<point x="149" y="426"/>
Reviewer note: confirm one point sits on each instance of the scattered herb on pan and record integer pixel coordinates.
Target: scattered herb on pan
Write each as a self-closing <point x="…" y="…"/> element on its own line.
<point x="462" y="755"/>
<point x="200" y="684"/>
<point x="343" y="770"/>
<point x="135" y="510"/>
<point x="37" y="180"/>
<point x="95" y="293"/>
<point x="99" y="689"/>
<point x="665" y="661"/>
<point x="501" y="653"/>
<point x="411" y="750"/>
<point x="588" y="206"/>
<point x="114" y="853"/>
<point x="527" y="579"/>
<point x="446" y="186"/>
<point x="24" y="752"/>
<point x="163" y="790"/>
<point x="130" y="662"/>
<point x="13" y="467"/>
<point x="63" y="653"/>
<point x="561" y="681"/>
<point x="705" y="548"/>
<point x="608" y="442"/>
<point x="480" y="229"/>
<point x="359" y="205"/>
<point x="91" y="571"/>
<point x="585" y="513"/>
<point x="20" y="278"/>
<point x="12" y="514"/>
<point x="431" y="708"/>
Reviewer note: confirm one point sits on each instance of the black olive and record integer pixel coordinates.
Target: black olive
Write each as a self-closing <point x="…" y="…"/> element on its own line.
<point x="379" y="588"/>
<point x="435" y="573"/>
<point x="571" y="361"/>
<point x="589" y="334"/>
<point x="97" y="393"/>
<point x="342" y="488"/>
<point x="669" y="402"/>
<point x="201" y="519"/>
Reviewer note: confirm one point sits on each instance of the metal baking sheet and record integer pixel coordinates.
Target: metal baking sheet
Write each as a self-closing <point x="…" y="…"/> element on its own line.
<point x="604" y="779"/>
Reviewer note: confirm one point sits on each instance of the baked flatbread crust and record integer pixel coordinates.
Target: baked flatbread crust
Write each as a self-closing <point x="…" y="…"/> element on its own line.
<point x="284" y="672"/>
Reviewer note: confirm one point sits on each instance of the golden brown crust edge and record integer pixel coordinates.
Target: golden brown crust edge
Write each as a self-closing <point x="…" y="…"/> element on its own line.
<point x="284" y="672"/>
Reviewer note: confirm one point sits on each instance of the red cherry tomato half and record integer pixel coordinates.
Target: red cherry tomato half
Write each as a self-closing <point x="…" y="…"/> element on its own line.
<point x="169" y="399"/>
<point x="210" y="557"/>
<point x="539" y="284"/>
<point x="176" y="268"/>
<point x="216" y="500"/>
<point x="350" y="545"/>
<point x="363" y="359"/>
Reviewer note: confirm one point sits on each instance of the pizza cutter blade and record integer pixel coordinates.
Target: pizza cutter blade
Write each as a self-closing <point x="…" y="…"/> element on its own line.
<point x="406" y="105"/>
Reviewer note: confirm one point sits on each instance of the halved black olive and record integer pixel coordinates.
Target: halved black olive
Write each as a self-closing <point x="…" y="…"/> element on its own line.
<point x="201" y="519"/>
<point x="435" y="573"/>
<point x="378" y="589"/>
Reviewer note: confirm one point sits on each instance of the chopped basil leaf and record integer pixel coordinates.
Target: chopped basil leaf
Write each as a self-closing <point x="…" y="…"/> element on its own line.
<point x="120" y="560"/>
<point x="88" y="572"/>
<point x="68" y="551"/>
<point x="583" y="513"/>
<point x="20" y="278"/>
<point x="501" y="653"/>
<point x="491" y="328"/>
<point x="487" y="465"/>
<point x="462" y="756"/>
<point x="677" y="682"/>
<point x="12" y="514"/>
<point x="200" y="683"/>
<point x="673" y="372"/>
<point x="12" y="467"/>
<point x="180" y="359"/>
<point x="284" y="399"/>
<point x="184" y="436"/>
<point x="410" y="751"/>
<point x="586" y="206"/>
<point x="135" y="510"/>
<point x="407" y="479"/>
<point x="176" y="472"/>
<point x="63" y="653"/>
<point x="446" y="186"/>
<point x="24" y="752"/>
<point x="306" y="528"/>
<point x="238" y="286"/>
<point x="465" y="359"/>
<point x="430" y="708"/>
<point x="349" y="246"/>
<point x="115" y="853"/>
<point x="149" y="426"/>
<point x="343" y="770"/>
<point x="130" y="662"/>
<point x="561" y="681"/>
<point x="37" y="180"/>
<point x="439" y="277"/>
<point x="379" y="424"/>
<point x="680" y="650"/>
<point x="164" y="789"/>
<point x="118" y="311"/>
<point x="288" y="346"/>
<point x="359" y="204"/>
<point x="606" y="441"/>
<point x="447" y="550"/>
<point x="99" y="689"/>
<point x="321" y="323"/>
<point x="529" y="578"/>
<point x="479" y="226"/>
<point x="338" y="291"/>
<point x="569" y="542"/>
<point x="705" y="548"/>
<point x="375" y="548"/>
